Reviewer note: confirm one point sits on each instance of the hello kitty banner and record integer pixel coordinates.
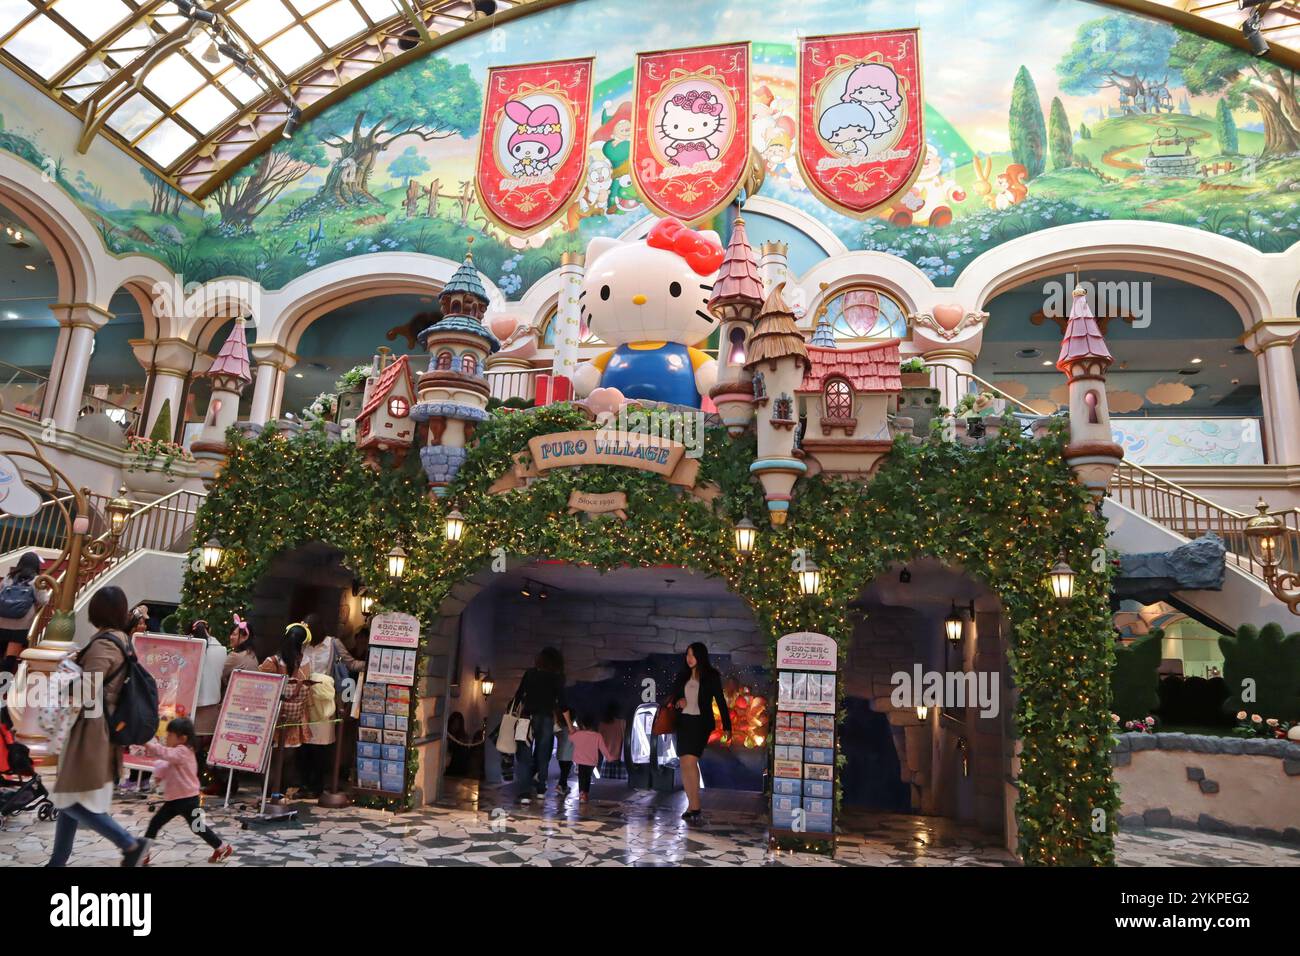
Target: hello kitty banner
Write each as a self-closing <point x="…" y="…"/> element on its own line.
<point x="532" y="151"/>
<point x="690" y="144"/>
<point x="861" y="133"/>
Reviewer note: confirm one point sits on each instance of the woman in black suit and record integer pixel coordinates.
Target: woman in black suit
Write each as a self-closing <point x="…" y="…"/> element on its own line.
<point x="694" y="692"/>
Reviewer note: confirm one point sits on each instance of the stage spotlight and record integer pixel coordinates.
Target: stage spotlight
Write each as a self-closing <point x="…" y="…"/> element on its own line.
<point x="1258" y="45"/>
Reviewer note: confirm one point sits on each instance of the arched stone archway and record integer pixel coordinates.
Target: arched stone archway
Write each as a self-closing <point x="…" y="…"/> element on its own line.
<point x="1228" y="268"/>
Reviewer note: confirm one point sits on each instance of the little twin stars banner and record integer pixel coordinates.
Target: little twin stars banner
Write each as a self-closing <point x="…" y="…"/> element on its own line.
<point x="532" y="152"/>
<point x="861" y="136"/>
<point x="690" y="140"/>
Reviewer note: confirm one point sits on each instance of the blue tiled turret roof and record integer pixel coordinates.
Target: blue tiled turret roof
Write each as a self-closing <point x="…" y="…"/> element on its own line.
<point x="466" y="280"/>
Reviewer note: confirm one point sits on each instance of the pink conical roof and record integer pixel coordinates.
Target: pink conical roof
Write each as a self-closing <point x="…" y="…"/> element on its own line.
<point x="232" y="360"/>
<point x="1083" y="339"/>
<point x="738" y="278"/>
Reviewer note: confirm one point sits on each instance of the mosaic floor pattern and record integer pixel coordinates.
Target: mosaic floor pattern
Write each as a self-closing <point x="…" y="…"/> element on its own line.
<point x="613" y="829"/>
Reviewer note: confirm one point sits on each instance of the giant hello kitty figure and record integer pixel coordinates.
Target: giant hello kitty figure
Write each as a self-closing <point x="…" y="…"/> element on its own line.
<point x="648" y="299"/>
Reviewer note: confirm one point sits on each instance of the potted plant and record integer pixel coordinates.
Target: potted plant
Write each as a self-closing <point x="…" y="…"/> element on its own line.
<point x="151" y="468"/>
<point x="915" y="373"/>
<point x="351" y="390"/>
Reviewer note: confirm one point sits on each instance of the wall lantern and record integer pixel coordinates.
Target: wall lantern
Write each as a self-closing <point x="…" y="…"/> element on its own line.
<point x="1266" y="535"/>
<point x="396" y="563"/>
<point x="455" y="528"/>
<point x="1061" y="579"/>
<point x="810" y="579"/>
<point x="952" y="625"/>
<point x="367" y="602"/>
<point x="486" y="683"/>
<point x="922" y="711"/>
<point x="746" y="534"/>
<point x="213" y="552"/>
<point x="119" y="513"/>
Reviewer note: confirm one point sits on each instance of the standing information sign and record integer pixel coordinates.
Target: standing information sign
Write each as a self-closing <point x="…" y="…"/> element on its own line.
<point x="176" y="665"/>
<point x="803" y="769"/>
<point x="245" y="731"/>
<point x="384" y="714"/>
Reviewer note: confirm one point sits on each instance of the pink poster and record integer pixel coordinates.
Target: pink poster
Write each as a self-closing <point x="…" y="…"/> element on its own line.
<point x="176" y="664"/>
<point x="242" y="737"/>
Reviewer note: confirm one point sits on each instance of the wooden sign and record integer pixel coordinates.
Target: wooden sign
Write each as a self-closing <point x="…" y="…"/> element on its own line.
<point x="612" y="502"/>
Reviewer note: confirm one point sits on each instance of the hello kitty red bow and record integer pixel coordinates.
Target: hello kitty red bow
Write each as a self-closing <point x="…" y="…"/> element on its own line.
<point x="702" y="254"/>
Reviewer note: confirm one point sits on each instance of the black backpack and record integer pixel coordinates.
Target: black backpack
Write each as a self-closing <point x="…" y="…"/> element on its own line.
<point x="16" y="599"/>
<point x="135" y="718"/>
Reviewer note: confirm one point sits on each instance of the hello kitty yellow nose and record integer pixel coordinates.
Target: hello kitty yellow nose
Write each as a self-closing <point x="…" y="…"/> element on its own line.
<point x="638" y="299"/>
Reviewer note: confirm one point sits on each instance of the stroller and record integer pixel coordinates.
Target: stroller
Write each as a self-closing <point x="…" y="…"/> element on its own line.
<point x="21" y="787"/>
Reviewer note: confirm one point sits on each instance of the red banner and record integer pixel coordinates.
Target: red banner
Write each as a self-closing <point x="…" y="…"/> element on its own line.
<point x="861" y="129"/>
<point x="690" y="142"/>
<point x="532" y="150"/>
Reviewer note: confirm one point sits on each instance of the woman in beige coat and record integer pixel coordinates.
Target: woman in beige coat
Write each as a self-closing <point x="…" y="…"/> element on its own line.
<point x="90" y="762"/>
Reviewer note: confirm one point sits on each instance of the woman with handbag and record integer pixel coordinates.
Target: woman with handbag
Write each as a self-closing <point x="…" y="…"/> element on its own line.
<point x="293" y="730"/>
<point x="539" y="698"/>
<point x="694" y="692"/>
<point x="325" y="658"/>
<point x="90" y="762"/>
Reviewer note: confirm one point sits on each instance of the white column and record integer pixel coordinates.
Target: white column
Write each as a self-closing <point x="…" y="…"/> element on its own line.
<point x="273" y="361"/>
<point x="1272" y="341"/>
<point x="82" y="321"/>
<point x="51" y="396"/>
<point x="567" y="319"/>
<point x="951" y="387"/>
<point x="170" y="364"/>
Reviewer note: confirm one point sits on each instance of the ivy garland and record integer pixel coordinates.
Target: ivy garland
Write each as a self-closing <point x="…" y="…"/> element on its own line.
<point x="1002" y="510"/>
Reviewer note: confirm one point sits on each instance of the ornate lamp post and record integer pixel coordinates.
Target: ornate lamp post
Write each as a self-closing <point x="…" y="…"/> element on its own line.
<point x="1267" y="537"/>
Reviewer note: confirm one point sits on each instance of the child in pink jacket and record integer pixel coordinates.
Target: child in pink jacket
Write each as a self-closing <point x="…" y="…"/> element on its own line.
<point x="588" y="747"/>
<point x="178" y="770"/>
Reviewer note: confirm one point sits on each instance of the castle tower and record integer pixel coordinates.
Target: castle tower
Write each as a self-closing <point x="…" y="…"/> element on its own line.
<point x="737" y="297"/>
<point x="773" y="265"/>
<point x="453" y="394"/>
<point x="1092" y="453"/>
<point x="777" y="360"/>
<point x="230" y="374"/>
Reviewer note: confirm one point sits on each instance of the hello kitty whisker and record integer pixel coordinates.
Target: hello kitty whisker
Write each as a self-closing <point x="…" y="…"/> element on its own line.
<point x="705" y="316"/>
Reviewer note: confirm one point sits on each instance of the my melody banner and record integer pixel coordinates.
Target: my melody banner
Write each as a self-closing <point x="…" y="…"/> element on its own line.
<point x="533" y="148"/>
<point x="861" y="137"/>
<point x="690" y="141"/>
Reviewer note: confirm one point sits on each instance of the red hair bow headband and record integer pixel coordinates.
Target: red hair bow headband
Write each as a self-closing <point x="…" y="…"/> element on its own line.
<point x="702" y="255"/>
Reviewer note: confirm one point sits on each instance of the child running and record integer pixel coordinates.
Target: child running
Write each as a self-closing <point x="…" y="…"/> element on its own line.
<point x="179" y="772"/>
<point x="588" y="747"/>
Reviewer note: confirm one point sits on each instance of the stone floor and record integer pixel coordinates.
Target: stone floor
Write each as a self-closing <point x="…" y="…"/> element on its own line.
<point x="614" y="829"/>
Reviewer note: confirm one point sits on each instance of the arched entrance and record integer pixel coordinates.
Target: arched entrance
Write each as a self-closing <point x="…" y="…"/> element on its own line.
<point x="622" y="635"/>
<point x="953" y="758"/>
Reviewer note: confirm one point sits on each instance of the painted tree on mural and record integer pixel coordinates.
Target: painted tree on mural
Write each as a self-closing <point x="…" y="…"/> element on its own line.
<point x="409" y="165"/>
<point x="1060" y="139"/>
<point x="166" y="201"/>
<point x="1226" y="128"/>
<point x="243" y="197"/>
<point x="1243" y="80"/>
<point x="435" y="101"/>
<point x="1027" y="130"/>
<point x="1124" y="53"/>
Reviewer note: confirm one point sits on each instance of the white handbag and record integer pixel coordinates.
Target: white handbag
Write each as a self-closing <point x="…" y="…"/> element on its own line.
<point x="510" y="726"/>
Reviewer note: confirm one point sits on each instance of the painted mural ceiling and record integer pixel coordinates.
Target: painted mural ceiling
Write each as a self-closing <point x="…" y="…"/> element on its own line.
<point x="188" y="99"/>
